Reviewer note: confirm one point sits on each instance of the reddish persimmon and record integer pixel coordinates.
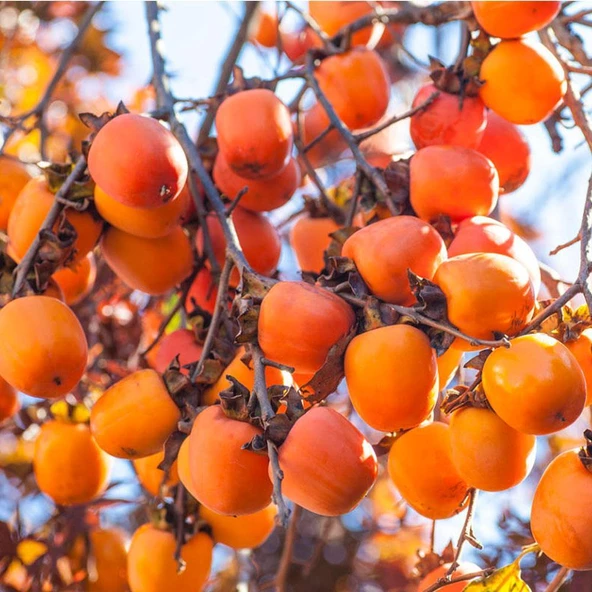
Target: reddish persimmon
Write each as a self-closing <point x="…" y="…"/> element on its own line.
<point x="463" y="569"/>
<point x="215" y="444"/>
<point x="510" y="20"/>
<point x="259" y="240"/>
<point x="310" y="239"/>
<point x="76" y="282"/>
<point x="560" y="518"/>
<point x="486" y="293"/>
<point x="109" y="558"/>
<point x="152" y="566"/>
<point x="524" y="81"/>
<point x="151" y="265"/>
<point x="315" y="320"/>
<point x="536" y="385"/>
<point x="452" y="181"/>
<point x="385" y="250"/>
<point x="505" y="145"/>
<point x="134" y="417"/>
<point x="486" y="235"/>
<point x="241" y="532"/>
<point x="447" y="119"/>
<point x="264" y="29"/>
<point x="263" y="195"/>
<point x="392" y="377"/>
<point x="28" y="213"/>
<point x="345" y="80"/>
<point x="43" y="350"/>
<point x="254" y="133"/>
<point x="9" y="401"/>
<point x="328" y="465"/>
<point x="295" y="44"/>
<point x="13" y="177"/>
<point x="202" y="293"/>
<point x="487" y="452"/>
<point x="137" y="161"/>
<point x="581" y="348"/>
<point x="69" y="466"/>
<point x="180" y="343"/>
<point x="151" y="477"/>
<point x="420" y="465"/>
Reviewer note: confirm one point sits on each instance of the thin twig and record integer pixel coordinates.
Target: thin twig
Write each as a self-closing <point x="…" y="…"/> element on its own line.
<point x="286" y="558"/>
<point x="353" y="205"/>
<point x="569" y="243"/>
<point x="466" y="534"/>
<point x="180" y="525"/>
<point x="559" y="578"/>
<point x="464" y="578"/>
<point x="465" y="43"/>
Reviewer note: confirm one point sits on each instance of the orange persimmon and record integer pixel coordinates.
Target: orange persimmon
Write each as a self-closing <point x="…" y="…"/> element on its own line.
<point x="109" y="559"/>
<point x="180" y="343"/>
<point x="310" y="239"/>
<point x="9" y="401"/>
<point x="13" y="177"/>
<point x="581" y="348"/>
<point x="151" y="477"/>
<point x="77" y="281"/>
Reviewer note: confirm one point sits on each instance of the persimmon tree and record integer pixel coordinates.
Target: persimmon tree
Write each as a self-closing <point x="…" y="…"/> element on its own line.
<point x="313" y="433"/>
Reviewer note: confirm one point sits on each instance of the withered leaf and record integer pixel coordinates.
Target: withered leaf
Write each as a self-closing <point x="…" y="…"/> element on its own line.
<point x="383" y="447"/>
<point x="278" y="428"/>
<point x="431" y="300"/>
<point x="212" y="370"/>
<point x="396" y="176"/>
<point x="234" y="399"/>
<point x="258" y="444"/>
<point x="477" y="362"/>
<point x="171" y="451"/>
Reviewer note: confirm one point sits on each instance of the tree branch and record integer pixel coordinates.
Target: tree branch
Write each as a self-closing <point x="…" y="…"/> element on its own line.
<point x="286" y="557"/>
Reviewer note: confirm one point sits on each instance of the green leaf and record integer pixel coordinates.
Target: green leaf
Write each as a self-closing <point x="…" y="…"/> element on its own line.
<point x="505" y="579"/>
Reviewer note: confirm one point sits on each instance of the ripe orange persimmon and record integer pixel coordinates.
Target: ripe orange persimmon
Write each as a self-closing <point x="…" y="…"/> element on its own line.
<point x="581" y="348"/>
<point x="560" y="517"/>
<point x="147" y="223"/>
<point x="510" y="20"/>
<point x="151" y="265"/>
<point x="448" y="364"/>
<point x="524" y="81"/>
<point x="487" y="452"/>
<point x="43" y="350"/>
<point x="13" y="177"/>
<point x="151" y="477"/>
<point x="202" y="292"/>
<point x="137" y="161"/>
<point x="180" y="343"/>
<point x="263" y="195"/>
<point x="446" y="120"/>
<point x="134" y="417"/>
<point x="241" y="532"/>
<point x="486" y="235"/>
<point x="392" y="377"/>
<point x="9" y="401"/>
<point x="385" y="250"/>
<point x="314" y="318"/>
<point x="486" y="293"/>
<point x="345" y="80"/>
<point x="452" y="181"/>
<point x="260" y="241"/>
<point x="254" y="133"/>
<point x="244" y="375"/>
<point x="536" y="385"/>
<point x="264" y="29"/>
<point x="310" y="238"/>
<point x="420" y="465"/>
<point x="29" y="211"/>
<point x="152" y="567"/>
<point x="328" y="465"/>
<point x="69" y="466"/>
<point x="109" y="558"/>
<point x="463" y="569"/>
<point x="77" y="281"/>
<point x="215" y="444"/>
<point x="505" y="145"/>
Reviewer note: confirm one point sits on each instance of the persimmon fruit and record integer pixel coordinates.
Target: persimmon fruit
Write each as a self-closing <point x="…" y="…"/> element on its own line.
<point x="109" y="557"/>
<point x="9" y="401"/>
<point x="180" y="343"/>
<point x="13" y="177"/>
<point x="310" y="239"/>
<point x="202" y="292"/>
<point x="151" y="477"/>
<point x="581" y="348"/>
<point x="77" y="281"/>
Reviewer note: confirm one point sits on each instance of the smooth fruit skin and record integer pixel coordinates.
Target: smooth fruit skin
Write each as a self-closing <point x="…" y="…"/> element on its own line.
<point x="151" y="477"/>
<point x="151" y="265"/>
<point x="241" y="532"/>
<point x="345" y="80"/>
<point x="202" y="293"/>
<point x="215" y="444"/>
<point x="560" y="517"/>
<point x="265" y="29"/>
<point x="448" y="364"/>
<point x="505" y="145"/>
<point x="392" y="377"/>
<point x="254" y="133"/>
<point x="144" y="222"/>
<point x="180" y="343"/>
<point x="510" y="20"/>
<point x="109" y="556"/>
<point x="486" y="235"/>
<point x="385" y="250"/>
<point x="152" y="566"/>
<point x="30" y="209"/>
<point x="536" y="385"/>
<point x="43" y="350"/>
<point x="486" y="293"/>
<point x="328" y="465"/>
<point x="184" y="468"/>
<point x="310" y="239"/>
<point x="258" y="238"/>
<point x="13" y="177"/>
<point x="452" y="181"/>
<point x="315" y="320"/>
<point x="263" y="195"/>
<point x="9" y="401"/>
<point x="444" y="121"/>
<point x="76" y="282"/>
<point x="134" y="417"/>
<point x="137" y="161"/>
<point x="524" y="81"/>
<point x="487" y="452"/>
<point x="69" y="466"/>
<point x="421" y="467"/>
<point x="463" y="569"/>
<point x="581" y="348"/>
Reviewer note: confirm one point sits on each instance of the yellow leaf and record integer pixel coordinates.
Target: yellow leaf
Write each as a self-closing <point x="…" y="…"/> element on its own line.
<point x="29" y="551"/>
